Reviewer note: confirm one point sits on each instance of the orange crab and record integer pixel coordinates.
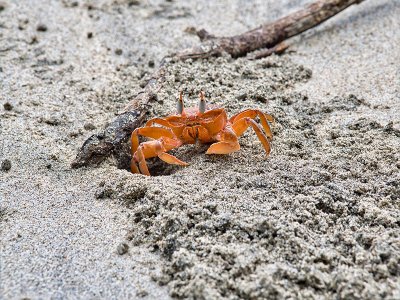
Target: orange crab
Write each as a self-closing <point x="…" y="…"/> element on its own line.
<point x="196" y="124"/>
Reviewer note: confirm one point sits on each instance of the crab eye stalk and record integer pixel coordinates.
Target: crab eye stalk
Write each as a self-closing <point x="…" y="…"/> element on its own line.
<point x="202" y="103"/>
<point x="180" y="103"/>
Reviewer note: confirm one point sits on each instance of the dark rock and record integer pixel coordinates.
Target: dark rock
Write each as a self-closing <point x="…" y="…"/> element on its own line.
<point x="41" y="28"/>
<point x="122" y="248"/>
<point x="6" y="165"/>
<point x="8" y="106"/>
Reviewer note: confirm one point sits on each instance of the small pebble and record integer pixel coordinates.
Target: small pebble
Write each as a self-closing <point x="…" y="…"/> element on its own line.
<point x="118" y="51"/>
<point x="51" y="121"/>
<point x="41" y="27"/>
<point x="89" y="35"/>
<point x="33" y="40"/>
<point x="22" y="23"/>
<point x="8" y="106"/>
<point x="6" y="165"/>
<point x="129" y="236"/>
<point x="142" y="293"/>
<point x="122" y="248"/>
<point x="242" y="96"/>
<point x="133" y="2"/>
<point x="53" y="157"/>
<point x="151" y="63"/>
<point x="74" y="134"/>
<point x="89" y="126"/>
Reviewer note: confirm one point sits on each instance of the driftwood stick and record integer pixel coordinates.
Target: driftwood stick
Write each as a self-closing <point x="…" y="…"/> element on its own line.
<point x="101" y="145"/>
<point x="268" y="37"/>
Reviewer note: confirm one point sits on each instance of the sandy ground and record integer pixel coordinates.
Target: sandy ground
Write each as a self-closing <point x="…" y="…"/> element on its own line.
<point x="318" y="219"/>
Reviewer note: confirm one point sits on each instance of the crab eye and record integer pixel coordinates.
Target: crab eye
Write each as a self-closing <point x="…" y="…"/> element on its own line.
<point x="202" y="103"/>
<point x="180" y="103"/>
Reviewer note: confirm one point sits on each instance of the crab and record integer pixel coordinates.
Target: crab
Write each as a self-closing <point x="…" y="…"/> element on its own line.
<point x="202" y="124"/>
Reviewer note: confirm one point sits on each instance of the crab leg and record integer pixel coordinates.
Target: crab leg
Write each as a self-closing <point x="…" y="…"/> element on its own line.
<point x="252" y="113"/>
<point x="159" y="121"/>
<point x="256" y="111"/>
<point x="241" y="126"/>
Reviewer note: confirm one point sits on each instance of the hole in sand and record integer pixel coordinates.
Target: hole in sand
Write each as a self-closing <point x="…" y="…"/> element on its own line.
<point x="156" y="167"/>
<point x="186" y="153"/>
<point x="159" y="168"/>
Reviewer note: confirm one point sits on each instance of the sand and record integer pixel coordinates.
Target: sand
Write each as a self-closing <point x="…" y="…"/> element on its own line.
<point x="319" y="218"/>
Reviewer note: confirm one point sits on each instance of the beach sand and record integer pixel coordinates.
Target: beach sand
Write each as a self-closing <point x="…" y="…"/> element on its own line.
<point x="319" y="218"/>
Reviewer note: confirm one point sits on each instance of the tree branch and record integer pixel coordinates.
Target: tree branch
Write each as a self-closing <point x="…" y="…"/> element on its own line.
<point x="267" y="35"/>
